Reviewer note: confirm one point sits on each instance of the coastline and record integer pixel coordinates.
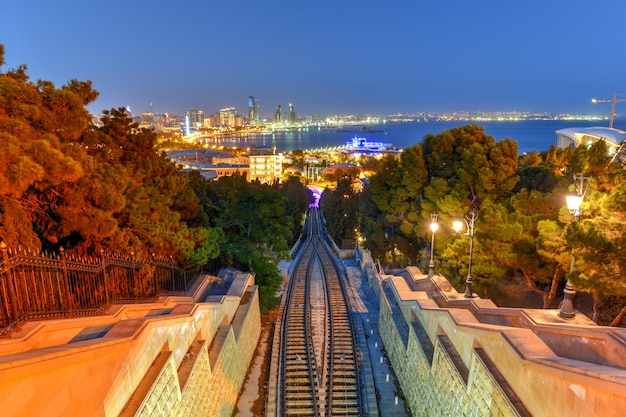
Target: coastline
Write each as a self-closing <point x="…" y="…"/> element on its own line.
<point x="530" y="135"/>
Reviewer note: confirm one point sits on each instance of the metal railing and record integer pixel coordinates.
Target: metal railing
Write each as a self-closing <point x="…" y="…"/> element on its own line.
<point x="38" y="286"/>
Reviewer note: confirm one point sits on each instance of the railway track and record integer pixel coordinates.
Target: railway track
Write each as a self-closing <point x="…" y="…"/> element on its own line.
<point x="319" y="371"/>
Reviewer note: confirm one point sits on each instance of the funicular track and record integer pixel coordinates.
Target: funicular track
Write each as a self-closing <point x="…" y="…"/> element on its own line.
<point x="319" y="368"/>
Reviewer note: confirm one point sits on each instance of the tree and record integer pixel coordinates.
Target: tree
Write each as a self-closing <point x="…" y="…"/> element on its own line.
<point x="531" y="241"/>
<point x="297" y="201"/>
<point x="38" y="124"/>
<point x="371" y="223"/>
<point x="598" y="244"/>
<point x="255" y="227"/>
<point x="160" y="213"/>
<point x="396" y="189"/>
<point x="64" y="182"/>
<point x="472" y="163"/>
<point x="339" y="208"/>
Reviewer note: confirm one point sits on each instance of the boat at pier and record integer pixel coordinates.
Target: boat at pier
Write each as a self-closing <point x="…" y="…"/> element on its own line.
<point x="359" y="144"/>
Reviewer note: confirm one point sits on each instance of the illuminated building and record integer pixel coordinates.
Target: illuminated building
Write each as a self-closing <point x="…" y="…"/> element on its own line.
<point x="292" y="115"/>
<point x="576" y="136"/>
<point x="278" y="116"/>
<point x="253" y="111"/>
<point x="265" y="165"/>
<point x="146" y="117"/>
<point x="227" y="116"/>
<point x="196" y="118"/>
<point x="211" y="164"/>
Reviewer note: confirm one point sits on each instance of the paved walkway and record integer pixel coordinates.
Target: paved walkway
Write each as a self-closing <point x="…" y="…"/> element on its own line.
<point x="388" y="398"/>
<point x="253" y="387"/>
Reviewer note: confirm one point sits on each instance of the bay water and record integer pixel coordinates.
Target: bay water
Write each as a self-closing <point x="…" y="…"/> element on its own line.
<point x="530" y="135"/>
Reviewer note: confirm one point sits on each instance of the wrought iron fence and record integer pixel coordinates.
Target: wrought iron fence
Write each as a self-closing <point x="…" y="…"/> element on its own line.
<point x="36" y="286"/>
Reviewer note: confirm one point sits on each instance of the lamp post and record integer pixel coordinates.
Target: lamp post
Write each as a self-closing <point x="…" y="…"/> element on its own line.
<point x="386" y="245"/>
<point x="393" y="246"/>
<point x="469" y="221"/>
<point x="573" y="205"/>
<point x="433" y="228"/>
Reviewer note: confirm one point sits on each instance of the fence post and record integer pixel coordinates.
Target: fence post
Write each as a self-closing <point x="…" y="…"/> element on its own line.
<point x="105" y="278"/>
<point x="154" y="275"/>
<point x="8" y="293"/>
<point x="172" y="273"/>
<point x="66" y="283"/>
<point x="132" y="265"/>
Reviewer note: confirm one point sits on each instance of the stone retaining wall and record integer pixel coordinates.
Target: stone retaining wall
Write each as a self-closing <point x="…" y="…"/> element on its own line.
<point x="456" y="365"/>
<point x="216" y="376"/>
<point x="177" y="357"/>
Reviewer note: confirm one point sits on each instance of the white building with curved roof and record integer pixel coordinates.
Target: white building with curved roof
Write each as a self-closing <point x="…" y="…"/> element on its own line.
<point x="576" y="136"/>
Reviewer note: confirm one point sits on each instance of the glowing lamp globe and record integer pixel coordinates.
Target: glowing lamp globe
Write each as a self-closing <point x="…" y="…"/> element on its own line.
<point x="573" y="203"/>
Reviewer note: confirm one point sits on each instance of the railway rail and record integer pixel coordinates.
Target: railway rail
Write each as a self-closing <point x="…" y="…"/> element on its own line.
<point x="319" y="369"/>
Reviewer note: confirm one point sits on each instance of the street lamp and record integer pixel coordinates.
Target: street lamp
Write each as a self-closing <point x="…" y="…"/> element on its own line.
<point x="573" y="205"/>
<point x="433" y="228"/>
<point x="393" y="246"/>
<point x="469" y="221"/>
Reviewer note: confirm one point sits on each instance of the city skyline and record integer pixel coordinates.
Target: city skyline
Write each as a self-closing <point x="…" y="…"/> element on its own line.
<point x="288" y="116"/>
<point x="327" y="58"/>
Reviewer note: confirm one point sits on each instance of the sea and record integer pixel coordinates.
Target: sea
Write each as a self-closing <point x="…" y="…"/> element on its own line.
<point x="530" y="135"/>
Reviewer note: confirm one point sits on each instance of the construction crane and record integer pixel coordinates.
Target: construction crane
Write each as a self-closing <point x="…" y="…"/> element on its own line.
<point x="613" y="102"/>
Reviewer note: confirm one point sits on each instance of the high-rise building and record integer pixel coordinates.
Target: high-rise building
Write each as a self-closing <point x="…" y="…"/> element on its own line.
<point x="196" y="118"/>
<point x="146" y="117"/>
<point x="253" y="111"/>
<point x="292" y="115"/>
<point x="278" y="116"/>
<point x="228" y="116"/>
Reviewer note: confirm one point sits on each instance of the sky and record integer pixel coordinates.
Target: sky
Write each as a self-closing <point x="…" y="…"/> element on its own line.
<point x="326" y="56"/>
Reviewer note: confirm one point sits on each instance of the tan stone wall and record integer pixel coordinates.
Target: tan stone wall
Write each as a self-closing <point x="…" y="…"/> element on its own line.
<point x="210" y="390"/>
<point x="164" y="396"/>
<point x="140" y="354"/>
<point x="194" y="395"/>
<point x="491" y="370"/>
<point x="437" y="389"/>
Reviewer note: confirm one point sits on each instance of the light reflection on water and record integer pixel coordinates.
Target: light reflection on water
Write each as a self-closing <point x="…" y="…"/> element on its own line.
<point x="533" y="135"/>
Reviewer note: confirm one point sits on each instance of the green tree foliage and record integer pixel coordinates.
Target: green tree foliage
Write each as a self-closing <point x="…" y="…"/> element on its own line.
<point x="466" y="167"/>
<point x="37" y="124"/>
<point x="598" y="244"/>
<point x="539" y="178"/>
<point x="523" y="229"/>
<point x="158" y="207"/>
<point x="447" y="174"/>
<point x="556" y="159"/>
<point x="339" y="207"/>
<point x="529" y="240"/>
<point x="64" y="182"/>
<point x="256" y="229"/>
<point x="297" y="201"/>
<point x="371" y="223"/>
<point x="396" y="189"/>
<point x="472" y="163"/>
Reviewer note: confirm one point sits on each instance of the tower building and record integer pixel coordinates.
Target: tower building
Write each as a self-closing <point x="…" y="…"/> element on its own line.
<point x="253" y="111"/>
<point x="196" y="118"/>
<point x="292" y="115"/>
<point x="278" y="116"/>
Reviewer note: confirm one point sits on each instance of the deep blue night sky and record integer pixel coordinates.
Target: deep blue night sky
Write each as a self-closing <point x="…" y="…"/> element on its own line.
<point x="326" y="56"/>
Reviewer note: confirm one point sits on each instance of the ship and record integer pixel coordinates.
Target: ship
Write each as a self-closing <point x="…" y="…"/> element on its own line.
<point x="364" y="129"/>
<point x="357" y="144"/>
